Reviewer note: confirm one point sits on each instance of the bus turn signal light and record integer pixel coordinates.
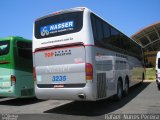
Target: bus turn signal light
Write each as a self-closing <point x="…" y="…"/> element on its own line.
<point x="13" y="80"/>
<point x="89" y="71"/>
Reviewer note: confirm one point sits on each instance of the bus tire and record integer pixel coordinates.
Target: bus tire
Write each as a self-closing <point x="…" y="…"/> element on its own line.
<point x="143" y="77"/>
<point x="126" y="87"/>
<point x="158" y="86"/>
<point x="119" y="93"/>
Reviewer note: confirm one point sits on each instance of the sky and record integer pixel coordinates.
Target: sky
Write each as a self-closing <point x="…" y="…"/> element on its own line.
<point x="129" y="16"/>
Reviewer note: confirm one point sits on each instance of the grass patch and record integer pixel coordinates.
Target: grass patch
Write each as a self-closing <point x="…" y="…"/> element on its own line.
<point x="150" y="74"/>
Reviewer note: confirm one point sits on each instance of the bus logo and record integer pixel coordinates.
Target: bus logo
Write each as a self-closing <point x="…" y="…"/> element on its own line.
<point x="48" y="54"/>
<point x="44" y="31"/>
<point x="55" y="28"/>
<point x="57" y="53"/>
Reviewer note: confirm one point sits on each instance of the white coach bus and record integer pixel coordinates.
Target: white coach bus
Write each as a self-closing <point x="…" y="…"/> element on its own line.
<point x="158" y="69"/>
<point x="79" y="56"/>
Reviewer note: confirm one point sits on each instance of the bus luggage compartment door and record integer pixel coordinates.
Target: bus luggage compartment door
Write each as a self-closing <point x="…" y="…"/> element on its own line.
<point x="61" y="67"/>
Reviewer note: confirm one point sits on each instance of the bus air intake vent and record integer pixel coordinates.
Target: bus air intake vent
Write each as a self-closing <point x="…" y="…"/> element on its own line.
<point x="101" y="85"/>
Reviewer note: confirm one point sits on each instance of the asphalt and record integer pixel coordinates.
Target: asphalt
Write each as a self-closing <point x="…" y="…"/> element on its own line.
<point x="142" y="99"/>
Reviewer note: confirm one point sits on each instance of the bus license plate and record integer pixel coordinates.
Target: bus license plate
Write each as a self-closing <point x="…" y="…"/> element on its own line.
<point x="59" y="78"/>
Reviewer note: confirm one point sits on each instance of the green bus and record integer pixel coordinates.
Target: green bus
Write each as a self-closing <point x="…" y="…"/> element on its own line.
<point x="16" y="66"/>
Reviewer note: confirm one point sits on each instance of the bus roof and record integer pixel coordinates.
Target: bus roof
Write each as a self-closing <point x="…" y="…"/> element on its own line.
<point x="63" y="11"/>
<point x="12" y="38"/>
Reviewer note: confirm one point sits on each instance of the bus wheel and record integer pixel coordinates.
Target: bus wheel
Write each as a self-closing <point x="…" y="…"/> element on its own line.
<point x="143" y="77"/>
<point x="126" y="88"/>
<point x="158" y="86"/>
<point x="119" y="91"/>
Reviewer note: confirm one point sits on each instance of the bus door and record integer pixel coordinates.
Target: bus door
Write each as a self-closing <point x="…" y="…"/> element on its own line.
<point x="61" y="67"/>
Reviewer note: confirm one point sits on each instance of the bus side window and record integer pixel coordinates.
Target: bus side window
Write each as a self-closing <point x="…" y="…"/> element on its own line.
<point x="97" y="27"/>
<point x="24" y="49"/>
<point x="106" y="32"/>
<point x="158" y="63"/>
<point x="115" y="38"/>
<point x="99" y="30"/>
<point x="93" y="22"/>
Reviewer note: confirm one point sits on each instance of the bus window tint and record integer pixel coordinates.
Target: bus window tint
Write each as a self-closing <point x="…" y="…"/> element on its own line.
<point x="97" y="26"/>
<point x="94" y="27"/>
<point x="4" y="47"/>
<point x="24" y="49"/>
<point x="106" y="30"/>
<point x="159" y="63"/>
<point x="61" y="24"/>
<point x="106" y="36"/>
<point x="114" y="39"/>
<point x="99" y="30"/>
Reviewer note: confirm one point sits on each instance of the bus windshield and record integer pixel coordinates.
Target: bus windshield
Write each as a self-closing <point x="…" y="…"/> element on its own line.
<point x="59" y="24"/>
<point x="4" y="47"/>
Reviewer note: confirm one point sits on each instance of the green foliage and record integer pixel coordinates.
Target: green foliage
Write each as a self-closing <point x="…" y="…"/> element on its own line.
<point x="150" y="74"/>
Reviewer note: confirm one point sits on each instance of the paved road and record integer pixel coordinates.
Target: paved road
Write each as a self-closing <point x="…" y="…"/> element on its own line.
<point x="142" y="99"/>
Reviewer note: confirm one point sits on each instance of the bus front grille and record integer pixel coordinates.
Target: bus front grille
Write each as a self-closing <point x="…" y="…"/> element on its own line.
<point x="101" y="85"/>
